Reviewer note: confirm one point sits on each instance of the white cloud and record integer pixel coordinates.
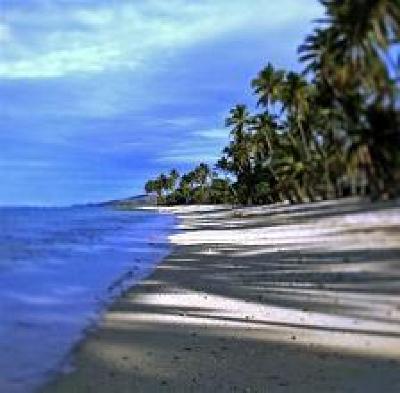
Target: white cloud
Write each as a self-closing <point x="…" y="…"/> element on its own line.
<point x="204" y="146"/>
<point x="61" y="62"/>
<point x="188" y="157"/>
<point x="182" y="122"/>
<point x="213" y="133"/>
<point x="5" y="33"/>
<point x="56" y="40"/>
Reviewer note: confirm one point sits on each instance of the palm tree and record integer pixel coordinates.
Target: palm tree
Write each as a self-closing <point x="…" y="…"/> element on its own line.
<point x="201" y="176"/>
<point x="150" y="187"/>
<point x="350" y="56"/>
<point x="173" y="178"/>
<point x="295" y="99"/>
<point x="319" y="131"/>
<point x="264" y="130"/>
<point x="239" y="118"/>
<point x="290" y="167"/>
<point x="355" y="47"/>
<point x="220" y="190"/>
<point x="155" y="186"/>
<point x="366" y="28"/>
<point x="239" y="121"/>
<point x="238" y="155"/>
<point x="268" y="85"/>
<point x="186" y="186"/>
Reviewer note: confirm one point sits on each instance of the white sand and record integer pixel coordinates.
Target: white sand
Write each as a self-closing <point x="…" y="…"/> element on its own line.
<point x="267" y="299"/>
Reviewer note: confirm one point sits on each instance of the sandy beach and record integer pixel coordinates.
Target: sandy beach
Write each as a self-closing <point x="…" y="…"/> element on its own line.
<point x="298" y="299"/>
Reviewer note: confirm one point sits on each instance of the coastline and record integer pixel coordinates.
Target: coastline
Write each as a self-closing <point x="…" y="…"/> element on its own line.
<point x="300" y="298"/>
<point x="60" y="270"/>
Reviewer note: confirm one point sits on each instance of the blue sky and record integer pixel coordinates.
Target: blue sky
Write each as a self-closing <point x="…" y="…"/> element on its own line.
<point x="97" y="96"/>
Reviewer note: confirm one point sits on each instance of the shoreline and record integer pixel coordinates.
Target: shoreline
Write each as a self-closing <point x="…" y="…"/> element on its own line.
<point x="278" y="299"/>
<point x="60" y="271"/>
<point x="118" y="289"/>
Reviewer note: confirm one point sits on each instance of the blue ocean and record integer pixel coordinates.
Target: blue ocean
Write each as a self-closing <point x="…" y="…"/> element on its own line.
<point x="59" y="267"/>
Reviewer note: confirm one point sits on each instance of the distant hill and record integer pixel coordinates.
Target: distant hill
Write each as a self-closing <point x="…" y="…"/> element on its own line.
<point x="131" y="202"/>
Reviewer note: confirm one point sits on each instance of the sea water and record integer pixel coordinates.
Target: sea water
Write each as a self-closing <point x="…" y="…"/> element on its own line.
<point x="59" y="267"/>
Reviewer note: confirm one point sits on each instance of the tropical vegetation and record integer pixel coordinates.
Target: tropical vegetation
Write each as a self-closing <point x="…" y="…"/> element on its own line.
<point x="330" y="131"/>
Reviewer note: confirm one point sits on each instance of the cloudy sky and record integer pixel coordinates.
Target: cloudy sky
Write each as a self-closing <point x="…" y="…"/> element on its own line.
<point x="98" y="95"/>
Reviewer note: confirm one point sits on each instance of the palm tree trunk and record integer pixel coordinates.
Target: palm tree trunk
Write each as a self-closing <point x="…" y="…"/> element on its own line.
<point x="304" y="141"/>
<point x="300" y="192"/>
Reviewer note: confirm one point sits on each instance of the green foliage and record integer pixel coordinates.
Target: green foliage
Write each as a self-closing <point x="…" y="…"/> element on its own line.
<point x="329" y="132"/>
<point x="199" y="186"/>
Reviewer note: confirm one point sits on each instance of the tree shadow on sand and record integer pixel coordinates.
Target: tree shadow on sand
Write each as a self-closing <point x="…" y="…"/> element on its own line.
<point x="314" y="317"/>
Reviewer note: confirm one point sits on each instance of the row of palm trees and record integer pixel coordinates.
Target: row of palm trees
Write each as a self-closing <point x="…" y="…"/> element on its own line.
<point x="200" y="185"/>
<point x="163" y="184"/>
<point x="330" y="131"/>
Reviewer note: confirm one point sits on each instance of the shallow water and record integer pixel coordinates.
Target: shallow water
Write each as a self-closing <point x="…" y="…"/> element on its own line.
<point x="58" y="269"/>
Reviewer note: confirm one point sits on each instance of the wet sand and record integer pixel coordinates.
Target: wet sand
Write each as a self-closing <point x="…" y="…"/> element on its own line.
<point x="297" y="299"/>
